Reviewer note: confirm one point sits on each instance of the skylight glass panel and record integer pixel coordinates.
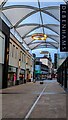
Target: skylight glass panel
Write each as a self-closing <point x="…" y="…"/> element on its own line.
<point x="50" y="40"/>
<point x="34" y="18"/>
<point x="39" y="30"/>
<point x="48" y="19"/>
<point x="48" y="31"/>
<point x="22" y="2"/>
<point x="55" y="13"/>
<point x="44" y="3"/>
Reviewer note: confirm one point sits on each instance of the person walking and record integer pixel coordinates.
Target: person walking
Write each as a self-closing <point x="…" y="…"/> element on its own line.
<point x="14" y="78"/>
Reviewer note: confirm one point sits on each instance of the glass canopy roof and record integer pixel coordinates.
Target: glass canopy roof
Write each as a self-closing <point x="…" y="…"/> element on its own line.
<point x="37" y="16"/>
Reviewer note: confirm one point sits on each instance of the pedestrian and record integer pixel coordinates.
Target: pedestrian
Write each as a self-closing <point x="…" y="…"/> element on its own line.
<point x="14" y="78"/>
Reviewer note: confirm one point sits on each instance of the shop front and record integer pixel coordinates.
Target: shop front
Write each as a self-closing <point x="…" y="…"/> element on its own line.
<point x="12" y="76"/>
<point x="67" y="71"/>
<point x="38" y="71"/>
<point x="62" y="74"/>
<point x="4" y="53"/>
<point x="28" y="75"/>
<point x="22" y="76"/>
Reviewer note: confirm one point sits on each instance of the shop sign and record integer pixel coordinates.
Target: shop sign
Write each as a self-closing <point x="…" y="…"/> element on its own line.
<point x="63" y="28"/>
<point x="12" y="69"/>
<point x="22" y="71"/>
<point x="38" y="71"/>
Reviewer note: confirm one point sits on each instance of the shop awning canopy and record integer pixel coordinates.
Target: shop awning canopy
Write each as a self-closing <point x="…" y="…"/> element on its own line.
<point x="29" y="18"/>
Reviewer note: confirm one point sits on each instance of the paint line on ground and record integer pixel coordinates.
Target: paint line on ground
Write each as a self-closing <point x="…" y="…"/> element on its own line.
<point x="30" y="111"/>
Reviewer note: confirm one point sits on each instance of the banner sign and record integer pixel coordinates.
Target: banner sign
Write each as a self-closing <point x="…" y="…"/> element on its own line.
<point x="37" y="69"/>
<point x="63" y="28"/>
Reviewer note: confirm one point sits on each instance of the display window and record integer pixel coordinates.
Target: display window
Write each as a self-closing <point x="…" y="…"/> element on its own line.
<point x="62" y="74"/>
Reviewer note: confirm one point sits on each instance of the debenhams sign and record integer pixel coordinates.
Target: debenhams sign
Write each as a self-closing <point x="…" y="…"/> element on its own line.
<point x="63" y="28"/>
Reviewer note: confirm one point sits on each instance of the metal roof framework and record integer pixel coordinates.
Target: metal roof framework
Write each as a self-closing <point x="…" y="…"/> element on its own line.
<point x="16" y="14"/>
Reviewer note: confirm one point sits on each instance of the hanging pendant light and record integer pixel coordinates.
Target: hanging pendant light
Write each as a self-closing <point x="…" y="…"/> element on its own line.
<point x="39" y="36"/>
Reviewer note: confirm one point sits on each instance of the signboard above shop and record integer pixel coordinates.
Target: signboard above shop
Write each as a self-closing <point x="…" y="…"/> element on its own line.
<point x="12" y="69"/>
<point x="64" y="28"/>
<point x="37" y="69"/>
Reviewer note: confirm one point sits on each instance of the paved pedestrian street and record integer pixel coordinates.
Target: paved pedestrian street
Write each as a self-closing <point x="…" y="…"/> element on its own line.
<point x="35" y="100"/>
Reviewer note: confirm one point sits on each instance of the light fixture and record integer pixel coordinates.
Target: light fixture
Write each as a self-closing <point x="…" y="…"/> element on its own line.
<point x="39" y="36"/>
<point x="44" y="52"/>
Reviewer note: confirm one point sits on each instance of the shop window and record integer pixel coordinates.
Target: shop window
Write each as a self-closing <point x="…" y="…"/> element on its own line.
<point x="67" y="77"/>
<point x="67" y="72"/>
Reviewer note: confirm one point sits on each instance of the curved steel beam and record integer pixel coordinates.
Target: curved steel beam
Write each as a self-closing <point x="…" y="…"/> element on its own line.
<point x="51" y="7"/>
<point x="28" y="15"/>
<point x="3" y="3"/>
<point x="30" y="7"/>
<point x="28" y="24"/>
<point x="37" y="28"/>
<point x="3" y="15"/>
<point x="51" y="43"/>
<point x="48" y="37"/>
<point x="36" y="46"/>
<point x="31" y="13"/>
<point x="38" y="42"/>
<point x="36" y="24"/>
<point x="22" y="6"/>
<point x="65" y="1"/>
<point x="44" y="45"/>
<point x="19" y="6"/>
<point x="46" y="12"/>
<point x="41" y="18"/>
<point x="47" y="46"/>
<point x="53" y="39"/>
